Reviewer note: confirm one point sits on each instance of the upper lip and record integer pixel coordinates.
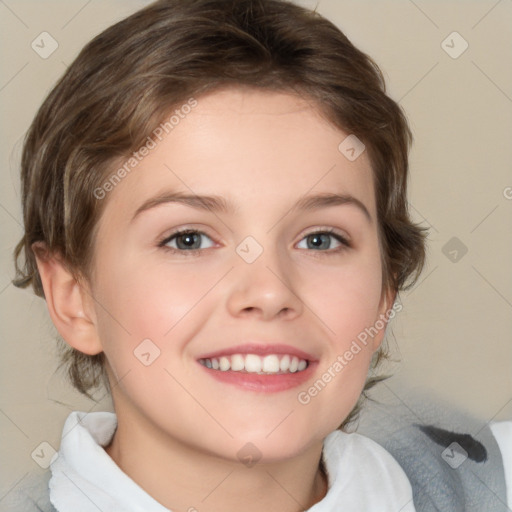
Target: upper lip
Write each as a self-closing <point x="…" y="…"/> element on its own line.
<point x="260" y="349"/>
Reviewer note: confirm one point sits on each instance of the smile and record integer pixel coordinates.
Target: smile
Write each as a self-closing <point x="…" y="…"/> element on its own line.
<point x="270" y="364"/>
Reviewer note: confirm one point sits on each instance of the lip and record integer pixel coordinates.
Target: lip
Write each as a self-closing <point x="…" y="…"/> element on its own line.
<point x="261" y="350"/>
<point x="262" y="383"/>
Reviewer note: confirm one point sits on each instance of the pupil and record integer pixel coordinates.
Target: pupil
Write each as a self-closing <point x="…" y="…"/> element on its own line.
<point x="317" y="240"/>
<point x="188" y="239"/>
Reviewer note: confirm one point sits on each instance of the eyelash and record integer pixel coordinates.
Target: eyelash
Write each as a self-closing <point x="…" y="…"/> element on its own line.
<point x="345" y="244"/>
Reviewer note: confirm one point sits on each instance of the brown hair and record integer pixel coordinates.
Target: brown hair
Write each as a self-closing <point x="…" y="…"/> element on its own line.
<point x="128" y="78"/>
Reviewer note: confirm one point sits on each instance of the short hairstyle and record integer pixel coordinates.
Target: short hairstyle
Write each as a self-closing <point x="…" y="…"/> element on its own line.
<point x="128" y="79"/>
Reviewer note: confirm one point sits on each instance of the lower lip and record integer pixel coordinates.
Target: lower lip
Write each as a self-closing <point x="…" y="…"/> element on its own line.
<point x="262" y="383"/>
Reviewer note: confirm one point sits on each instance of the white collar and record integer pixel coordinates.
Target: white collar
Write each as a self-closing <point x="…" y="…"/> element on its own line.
<point x="360" y="472"/>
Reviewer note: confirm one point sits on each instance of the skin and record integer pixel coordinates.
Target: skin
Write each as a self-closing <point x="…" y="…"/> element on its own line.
<point x="179" y="430"/>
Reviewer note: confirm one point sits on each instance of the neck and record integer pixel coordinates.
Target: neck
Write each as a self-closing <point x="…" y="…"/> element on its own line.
<point x="182" y="477"/>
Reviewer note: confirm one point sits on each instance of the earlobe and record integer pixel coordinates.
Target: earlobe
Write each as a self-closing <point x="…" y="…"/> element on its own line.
<point x="70" y="310"/>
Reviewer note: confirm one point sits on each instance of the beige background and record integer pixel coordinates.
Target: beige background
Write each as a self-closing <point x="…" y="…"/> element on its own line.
<point x="453" y="337"/>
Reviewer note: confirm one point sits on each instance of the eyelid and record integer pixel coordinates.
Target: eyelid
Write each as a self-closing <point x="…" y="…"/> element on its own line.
<point x="180" y="231"/>
<point x="328" y="230"/>
<point x="341" y="237"/>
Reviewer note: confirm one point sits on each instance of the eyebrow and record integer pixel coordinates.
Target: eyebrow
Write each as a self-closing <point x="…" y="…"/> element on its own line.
<point x="219" y="204"/>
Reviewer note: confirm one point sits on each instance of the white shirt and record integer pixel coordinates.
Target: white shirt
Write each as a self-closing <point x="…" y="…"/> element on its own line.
<point x="362" y="476"/>
<point x="502" y="431"/>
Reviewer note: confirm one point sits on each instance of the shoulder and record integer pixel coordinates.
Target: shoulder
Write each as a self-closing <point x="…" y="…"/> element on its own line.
<point x="363" y="455"/>
<point x="362" y="473"/>
<point x="451" y="460"/>
<point x="341" y="445"/>
<point x="30" y="494"/>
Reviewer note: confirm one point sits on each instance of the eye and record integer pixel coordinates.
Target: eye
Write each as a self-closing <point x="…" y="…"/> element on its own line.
<point x="186" y="240"/>
<point x="321" y="240"/>
<point x="189" y="241"/>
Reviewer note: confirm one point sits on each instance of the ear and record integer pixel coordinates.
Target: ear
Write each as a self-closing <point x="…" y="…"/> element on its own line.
<point x="385" y="313"/>
<point x="69" y="304"/>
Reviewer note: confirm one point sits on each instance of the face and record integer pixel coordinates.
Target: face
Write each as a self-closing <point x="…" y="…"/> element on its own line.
<point x="266" y="280"/>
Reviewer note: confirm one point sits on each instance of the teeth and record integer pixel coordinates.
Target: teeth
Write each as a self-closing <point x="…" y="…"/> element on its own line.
<point x="252" y="363"/>
<point x="271" y="364"/>
<point x="285" y="363"/>
<point x="224" y="364"/>
<point x="237" y="362"/>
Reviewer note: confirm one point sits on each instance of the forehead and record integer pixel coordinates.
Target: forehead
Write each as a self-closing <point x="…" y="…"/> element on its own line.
<point x="255" y="148"/>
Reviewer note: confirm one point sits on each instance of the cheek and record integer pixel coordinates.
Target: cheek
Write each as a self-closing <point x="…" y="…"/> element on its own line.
<point x="351" y="309"/>
<point x="150" y="314"/>
<point x="346" y="298"/>
<point x="139" y="301"/>
<point x="162" y="296"/>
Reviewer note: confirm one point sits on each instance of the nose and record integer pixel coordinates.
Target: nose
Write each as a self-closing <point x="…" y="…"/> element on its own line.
<point x="264" y="289"/>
